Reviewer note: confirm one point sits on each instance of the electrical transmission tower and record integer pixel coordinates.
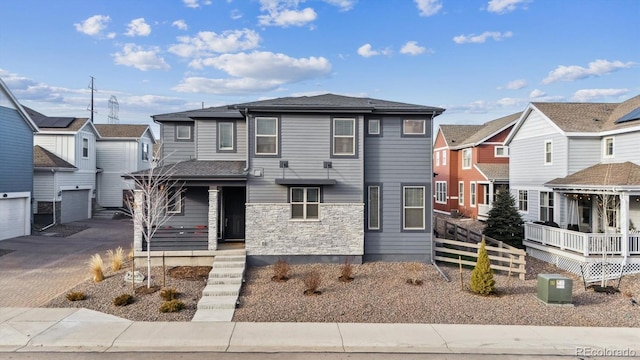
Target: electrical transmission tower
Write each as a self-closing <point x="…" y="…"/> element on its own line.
<point x="113" y="110"/>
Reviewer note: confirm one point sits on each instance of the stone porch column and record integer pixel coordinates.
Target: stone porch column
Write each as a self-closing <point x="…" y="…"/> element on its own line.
<point x="624" y="224"/>
<point x="213" y="218"/>
<point x="138" y="199"/>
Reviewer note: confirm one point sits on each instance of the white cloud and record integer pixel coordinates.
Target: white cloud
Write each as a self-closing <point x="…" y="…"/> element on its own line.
<point x="194" y="4"/>
<point x="255" y="72"/>
<point x="180" y="24"/>
<point x="208" y="42"/>
<point x="236" y="14"/>
<point x="537" y="93"/>
<point x="344" y="5"/>
<point x="149" y="100"/>
<point x="514" y="85"/>
<point x="428" y="7"/>
<point x="366" y="51"/>
<point x="142" y="59"/>
<point x="94" y="25"/>
<point x="479" y="39"/>
<point x="586" y="95"/>
<point x="505" y="6"/>
<point x="507" y="102"/>
<point x="111" y="35"/>
<point x="575" y="72"/>
<point x="288" y="17"/>
<point x="412" y="48"/>
<point x="137" y="27"/>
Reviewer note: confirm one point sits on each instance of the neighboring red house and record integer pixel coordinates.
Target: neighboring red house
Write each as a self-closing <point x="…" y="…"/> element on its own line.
<point x="471" y="164"/>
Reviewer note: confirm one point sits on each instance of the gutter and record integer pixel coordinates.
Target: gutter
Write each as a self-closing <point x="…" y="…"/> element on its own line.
<point x="248" y="157"/>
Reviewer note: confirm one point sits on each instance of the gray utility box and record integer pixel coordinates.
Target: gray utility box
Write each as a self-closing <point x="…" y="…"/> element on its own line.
<point x="554" y="288"/>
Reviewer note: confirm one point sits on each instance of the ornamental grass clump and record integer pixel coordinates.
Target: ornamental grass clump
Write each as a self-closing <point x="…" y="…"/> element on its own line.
<point x="415" y="273"/>
<point x="116" y="258"/>
<point x="171" y="306"/>
<point x="281" y="271"/>
<point x="96" y="266"/>
<point x="346" y="270"/>
<point x="312" y="281"/>
<point x="482" y="281"/>
<point x="75" y="296"/>
<point x="169" y="294"/>
<point x="123" y="300"/>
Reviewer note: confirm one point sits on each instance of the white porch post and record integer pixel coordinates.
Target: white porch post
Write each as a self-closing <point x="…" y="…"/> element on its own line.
<point x="138" y="199"/>
<point x="213" y="218"/>
<point x="624" y="224"/>
<point x="491" y="189"/>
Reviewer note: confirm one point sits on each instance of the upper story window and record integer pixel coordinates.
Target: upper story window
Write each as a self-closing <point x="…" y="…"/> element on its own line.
<point x="373" y="127"/>
<point x="344" y="136"/>
<point x="145" y="152"/>
<point x="305" y="203"/>
<point x="413" y="127"/>
<point x="608" y="146"/>
<point x="548" y="152"/>
<point x="501" y="151"/>
<point x="444" y="157"/>
<point x="226" y="136"/>
<point x="183" y="133"/>
<point x="523" y="200"/>
<point x="85" y="147"/>
<point x="266" y="136"/>
<point x="437" y="158"/>
<point x="466" y="158"/>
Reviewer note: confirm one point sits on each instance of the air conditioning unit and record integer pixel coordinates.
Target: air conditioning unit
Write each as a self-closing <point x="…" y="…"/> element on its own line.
<point x="554" y="288"/>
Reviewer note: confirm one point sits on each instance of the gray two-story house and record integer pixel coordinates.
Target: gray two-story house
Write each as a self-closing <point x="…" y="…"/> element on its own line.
<point x="311" y="178"/>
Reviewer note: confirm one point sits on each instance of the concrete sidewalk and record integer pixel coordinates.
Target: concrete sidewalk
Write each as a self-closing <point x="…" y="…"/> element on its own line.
<point x="81" y="330"/>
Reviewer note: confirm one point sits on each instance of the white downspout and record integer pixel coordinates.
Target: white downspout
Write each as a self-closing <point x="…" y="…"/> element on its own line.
<point x="53" y="171"/>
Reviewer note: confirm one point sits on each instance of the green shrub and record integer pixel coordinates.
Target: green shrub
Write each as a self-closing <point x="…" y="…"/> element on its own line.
<point x="482" y="281"/>
<point x="169" y="294"/>
<point x="123" y="300"/>
<point x="171" y="306"/>
<point x="75" y="296"/>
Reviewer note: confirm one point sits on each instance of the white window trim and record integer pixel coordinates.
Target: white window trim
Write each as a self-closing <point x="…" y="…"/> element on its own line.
<point x="369" y="122"/>
<point x="405" y="207"/>
<point x="526" y="202"/>
<point x="304" y="203"/>
<point x="461" y="193"/>
<point x="465" y="151"/>
<point x="550" y="162"/>
<point x="424" y="127"/>
<point x="473" y="194"/>
<point x="439" y="199"/>
<point x="258" y="135"/>
<point x="444" y="157"/>
<point x="177" y="198"/>
<point x="352" y="136"/>
<point x="233" y="145"/>
<point x="369" y="188"/>
<point x="85" y="140"/>
<point x="505" y="151"/>
<point x="605" y="147"/>
<point x="437" y="158"/>
<point x="145" y="152"/>
<point x="546" y="206"/>
<point x="178" y="137"/>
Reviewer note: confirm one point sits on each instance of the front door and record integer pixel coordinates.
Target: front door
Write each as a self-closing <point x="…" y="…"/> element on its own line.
<point x="234" y="199"/>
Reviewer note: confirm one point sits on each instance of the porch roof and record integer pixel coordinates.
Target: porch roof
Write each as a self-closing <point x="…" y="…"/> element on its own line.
<point x="201" y="170"/>
<point x="495" y="172"/>
<point x="624" y="175"/>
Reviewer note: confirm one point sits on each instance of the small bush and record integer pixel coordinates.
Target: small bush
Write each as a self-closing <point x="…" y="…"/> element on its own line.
<point x="96" y="266"/>
<point x="171" y="306"/>
<point x="75" y="296"/>
<point x="346" y="270"/>
<point x="482" y="281"/>
<point x="116" y="258"/>
<point x="415" y="273"/>
<point x="123" y="300"/>
<point x="169" y="294"/>
<point x="281" y="270"/>
<point x="312" y="281"/>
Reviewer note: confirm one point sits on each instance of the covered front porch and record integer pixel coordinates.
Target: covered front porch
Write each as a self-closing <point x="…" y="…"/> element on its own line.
<point x="497" y="179"/>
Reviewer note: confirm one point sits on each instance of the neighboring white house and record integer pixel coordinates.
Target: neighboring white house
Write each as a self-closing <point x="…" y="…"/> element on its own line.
<point x="67" y="188"/>
<point x="16" y="170"/>
<point x="577" y="166"/>
<point x="121" y="149"/>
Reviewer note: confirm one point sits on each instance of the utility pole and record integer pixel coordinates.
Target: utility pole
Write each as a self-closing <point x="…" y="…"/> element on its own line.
<point x="93" y="89"/>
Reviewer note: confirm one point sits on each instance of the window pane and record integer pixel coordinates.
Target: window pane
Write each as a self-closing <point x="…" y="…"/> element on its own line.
<point x="297" y="195"/>
<point x="374" y="127"/>
<point x="374" y="207"/>
<point x="413" y="197"/>
<point x="312" y="211"/>
<point x="343" y="145"/>
<point x="313" y="195"/>
<point x="297" y="211"/>
<point x="265" y="126"/>
<point x="343" y="127"/>
<point x="266" y="145"/>
<point x="413" y="218"/>
<point x="184" y="132"/>
<point x="414" y="127"/>
<point x="225" y="137"/>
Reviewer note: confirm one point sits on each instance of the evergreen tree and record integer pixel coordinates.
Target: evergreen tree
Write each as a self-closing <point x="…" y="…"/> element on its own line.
<point x="504" y="222"/>
<point x="482" y="275"/>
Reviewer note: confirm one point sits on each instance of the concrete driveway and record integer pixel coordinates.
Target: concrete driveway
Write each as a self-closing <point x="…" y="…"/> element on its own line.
<point x="39" y="268"/>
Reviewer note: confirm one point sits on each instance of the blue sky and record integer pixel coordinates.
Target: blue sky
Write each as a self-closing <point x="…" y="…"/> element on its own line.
<point x="479" y="59"/>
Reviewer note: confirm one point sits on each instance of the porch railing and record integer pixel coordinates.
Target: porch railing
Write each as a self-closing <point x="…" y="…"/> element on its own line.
<point x="583" y="243"/>
<point x="179" y="238"/>
<point x="483" y="211"/>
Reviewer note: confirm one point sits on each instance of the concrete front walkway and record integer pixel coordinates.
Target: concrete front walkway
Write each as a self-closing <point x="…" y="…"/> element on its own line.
<point x="42" y="267"/>
<point x="81" y="330"/>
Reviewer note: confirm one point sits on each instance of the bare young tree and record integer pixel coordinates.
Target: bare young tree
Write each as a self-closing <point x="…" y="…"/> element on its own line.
<point x="160" y="197"/>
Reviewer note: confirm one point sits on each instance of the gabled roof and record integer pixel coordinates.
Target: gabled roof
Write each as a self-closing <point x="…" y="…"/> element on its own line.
<point x="455" y="135"/>
<point x="211" y="112"/>
<point x="23" y="113"/>
<point x="122" y="131"/>
<point x="495" y="172"/>
<point x="200" y="170"/>
<point x="601" y="175"/>
<point x="44" y="159"/>
<point x="459" y="136"/>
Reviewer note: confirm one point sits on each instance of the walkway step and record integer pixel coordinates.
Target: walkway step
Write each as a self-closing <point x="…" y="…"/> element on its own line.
<point x="217" y="273"/>
<point x="213" y="315"/>
<point x="234" y="252"/>
<point x="222" y="290"/>
<point x="217" y="302"/>
<point x="228" y="264"/>
<point x="224" y="281"/>
<point x="226" y="258"/>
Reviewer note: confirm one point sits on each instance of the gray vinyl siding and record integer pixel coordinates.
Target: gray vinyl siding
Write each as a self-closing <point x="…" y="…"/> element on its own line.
<point x="625" y="148"/>
<point x="207" y="141"/>
<point x="583" y="152"/>
<point x="393" y="161"/>
<point x="146" y="139"/>
<point x="195" y="208"/>
<point x="16" y="147"/>
<point x="533" y="203"/>
<point x="173" y="150"/>
<point x="305" y="142"/>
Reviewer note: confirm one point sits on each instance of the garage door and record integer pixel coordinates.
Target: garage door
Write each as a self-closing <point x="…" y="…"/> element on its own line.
<point x="12" y="217"/>
<point x="74" y="206"/>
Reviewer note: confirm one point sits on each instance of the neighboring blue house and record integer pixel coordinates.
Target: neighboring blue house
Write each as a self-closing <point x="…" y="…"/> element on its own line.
<point x="307" y="178"/>
<point x="16" y="166"/>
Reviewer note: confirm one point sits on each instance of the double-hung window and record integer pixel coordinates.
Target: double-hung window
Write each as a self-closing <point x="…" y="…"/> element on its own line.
<point x="344" y="136"/>
<point x="461" y="193"/>
<point x="174" y="201"/>
<point x="523" y="200"/>
<point x="546" y="206"/>
<point x="413" y="208"/>
<point x="225" y="136"/>
<point x="305" y="203"/>
<point x="85" y="147"/>
<point x="444" y="157"/>
<point x="466" y="158"/>
<point x="145" y="152"/>
<point x="437" y="158"/>
<point x="548" y="152"/>
<point x="608" y="147"/>
<point x="441" y="192"/>
<point x="472" y="194"/>
<point x="266" y="136"/>
<point x="373" y="208"/>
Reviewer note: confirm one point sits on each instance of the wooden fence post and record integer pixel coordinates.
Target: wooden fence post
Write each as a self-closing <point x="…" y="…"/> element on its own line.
<point x="521" y="267"/>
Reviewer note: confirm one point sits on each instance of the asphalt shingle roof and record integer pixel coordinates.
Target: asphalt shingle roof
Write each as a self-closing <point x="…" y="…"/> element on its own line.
<point x="614" y="174"/>
<point x="497" y="172"/>
<point x="461" y="135"/>
<point x="43" y="158"/>
<point x="121" y="130"/>
<point x="202" y="169"/>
